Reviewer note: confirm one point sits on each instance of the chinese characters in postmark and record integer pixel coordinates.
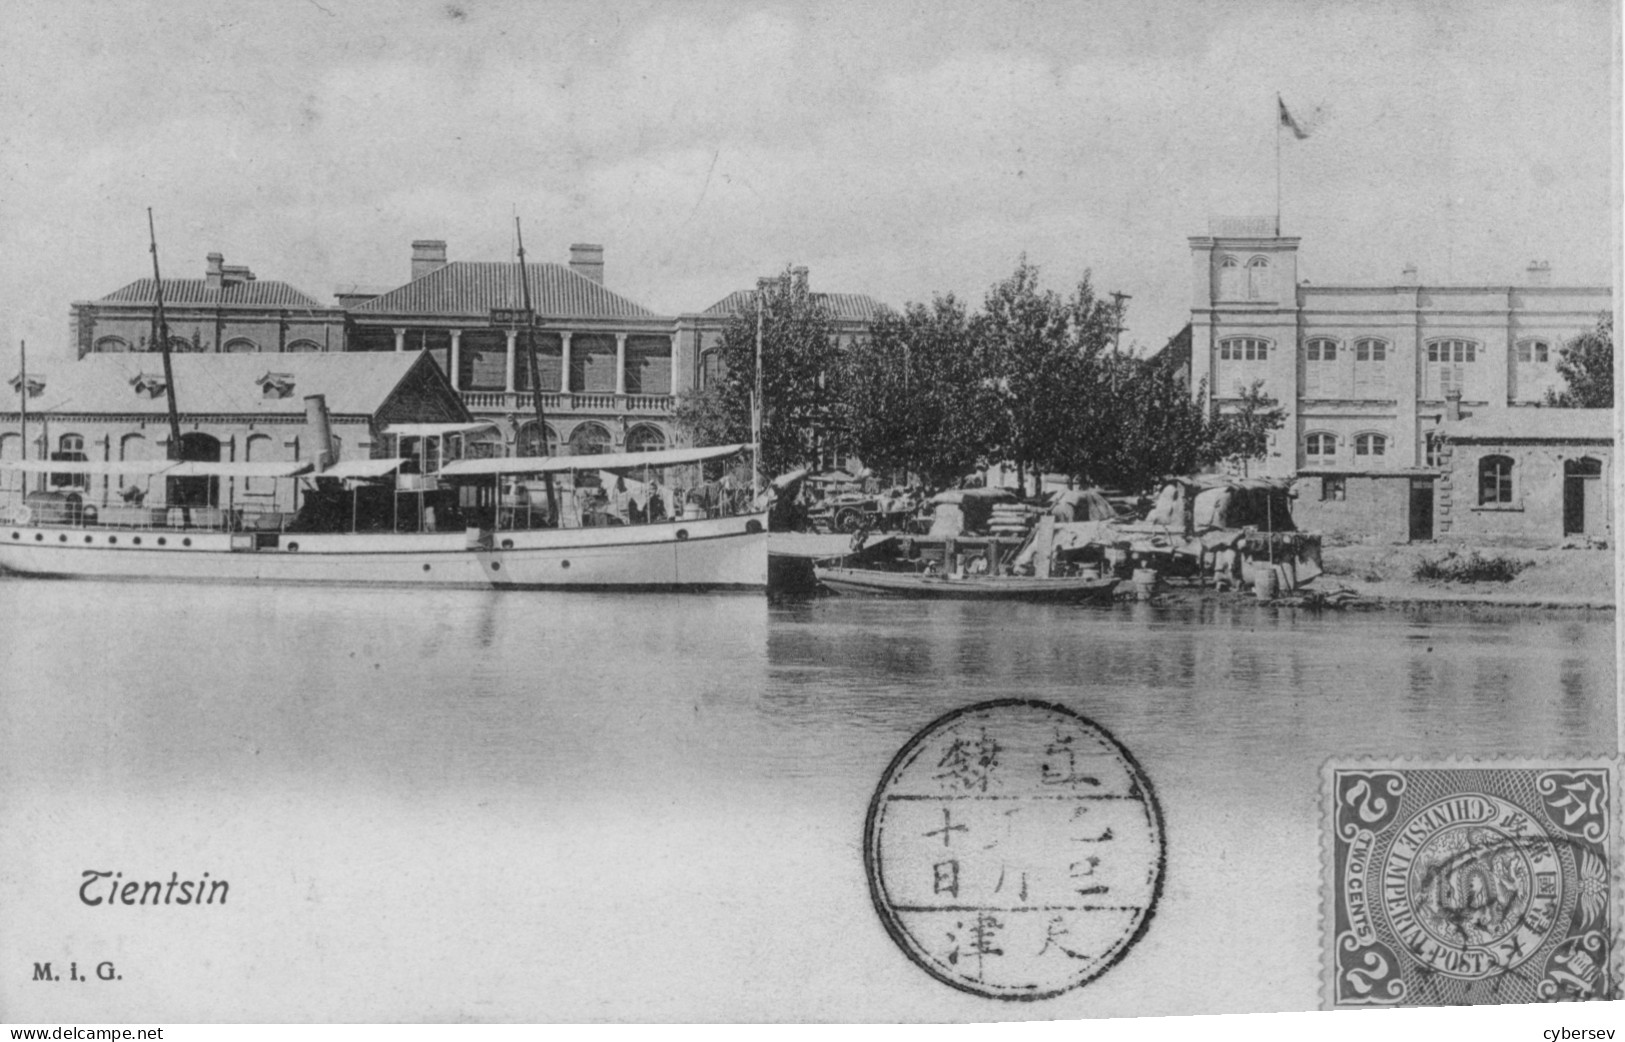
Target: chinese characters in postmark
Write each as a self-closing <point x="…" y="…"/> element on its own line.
<point x="1014" y="850"/>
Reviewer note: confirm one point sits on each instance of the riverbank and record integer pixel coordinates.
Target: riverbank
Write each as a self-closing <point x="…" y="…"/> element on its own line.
<point x="1579" y="578"/>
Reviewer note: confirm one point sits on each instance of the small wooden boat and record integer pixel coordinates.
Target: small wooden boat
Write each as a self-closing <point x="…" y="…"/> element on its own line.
<point x="874" y="582"/>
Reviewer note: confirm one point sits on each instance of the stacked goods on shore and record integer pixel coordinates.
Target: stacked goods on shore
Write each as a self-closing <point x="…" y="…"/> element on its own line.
<point x="1010" y="519"/>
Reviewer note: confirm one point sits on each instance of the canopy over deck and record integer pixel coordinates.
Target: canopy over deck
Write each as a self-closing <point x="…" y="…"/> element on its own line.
<point x="435" y="430"/>
<point x="168" y="468"/>
<point x="41" y="466"/>
<point x="361" y="468"/>
<point x="612" y="461"/>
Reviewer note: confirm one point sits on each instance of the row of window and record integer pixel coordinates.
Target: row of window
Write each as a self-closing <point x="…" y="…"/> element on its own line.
<point x="1371" y="349"/>
<point x="236" y="345"/>
<point x="1322" y="444"/>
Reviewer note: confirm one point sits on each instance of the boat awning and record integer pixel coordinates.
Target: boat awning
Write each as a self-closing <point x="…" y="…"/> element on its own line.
<point x="128" y="466"/>
<point x="248" y="469"/>
<point x="613" y="461"/>
<point x="361" y="468"/>
<point x="436" y="430"/>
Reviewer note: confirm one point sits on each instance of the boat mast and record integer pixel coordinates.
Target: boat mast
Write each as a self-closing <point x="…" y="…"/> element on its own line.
<point x="160" y="332"/>
<point x="22" y="393"/>
<point x="532" y="369"/>
<point x="756" y="403"/>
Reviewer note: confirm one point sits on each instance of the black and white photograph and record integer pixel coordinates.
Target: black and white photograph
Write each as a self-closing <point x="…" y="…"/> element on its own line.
<point x="753" y="512"/>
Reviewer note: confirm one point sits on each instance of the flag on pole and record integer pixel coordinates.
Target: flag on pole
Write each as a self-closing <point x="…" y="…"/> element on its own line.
<point x="1288" y="121"/>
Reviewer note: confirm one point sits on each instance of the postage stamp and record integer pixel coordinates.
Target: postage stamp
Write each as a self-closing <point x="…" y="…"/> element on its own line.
<point x="1014" y="849"/>
<point x="1471" y="882"/>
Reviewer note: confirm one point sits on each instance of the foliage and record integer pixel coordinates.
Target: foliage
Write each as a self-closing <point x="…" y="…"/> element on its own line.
<point x="915" y="400"/>
<point x="1586" y="363"/>
<point x="1151" y="427"/>
<point x="1242" y="434"/>
<point x="800" y="378"/>
<point x="1471" y="568"/>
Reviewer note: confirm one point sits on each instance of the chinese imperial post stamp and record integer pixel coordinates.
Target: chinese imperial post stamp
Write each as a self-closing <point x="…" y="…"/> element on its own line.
<point x="1471" y="882"/>
<point x="1014" y="850"/>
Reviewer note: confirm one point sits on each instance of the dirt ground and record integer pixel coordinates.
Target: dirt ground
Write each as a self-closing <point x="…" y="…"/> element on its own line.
<point x="1555" y="578"/>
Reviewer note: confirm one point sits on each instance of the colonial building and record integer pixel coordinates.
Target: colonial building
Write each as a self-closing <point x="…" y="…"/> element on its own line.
<point x="236" y="408"/>
<point x="1362" y="372"/>
<point x="226" y="311"/>
<point x="608" y="368"/>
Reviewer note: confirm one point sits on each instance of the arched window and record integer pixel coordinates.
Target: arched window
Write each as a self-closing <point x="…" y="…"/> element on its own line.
<point x="525" y="440"/>
<point x="710" y="368"/>
<point x="1258" y="276"/>
<point x="303" y="346"/>
<point x="241" y="346"/>
<point x="1370" y="445"/>
<point x="111" y="345"/>
<point x="70" y="448"/>
<point x="1447" y="365"/>
<point x="1495" y="480"/>
<point x="1320" y="368"/>
<point x="589" y="439"/>
<point x="1320" y="446"/>
<point x="645" y="438"/>
<point x="1433" y="449"/>
<point x="1370" y="368"/>
<point x="1244" y="349"/>
<point x="1534" y="351"/>
<point x="1230" y="287"/>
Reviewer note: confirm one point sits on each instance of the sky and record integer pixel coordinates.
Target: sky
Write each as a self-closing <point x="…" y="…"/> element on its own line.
<point x="898" y="149"/>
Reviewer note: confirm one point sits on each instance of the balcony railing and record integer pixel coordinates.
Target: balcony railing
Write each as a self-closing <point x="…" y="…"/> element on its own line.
<point x="566" y="404"/>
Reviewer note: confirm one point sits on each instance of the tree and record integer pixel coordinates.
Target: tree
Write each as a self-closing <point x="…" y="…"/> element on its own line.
<point x="1153" y="428"/>
<point x="1586" y="364"/>
<point x="915" y="400"/>
<point x="1042" y="357"/>
<point x="800" y="378"/>
<point x="1243" y="434"/>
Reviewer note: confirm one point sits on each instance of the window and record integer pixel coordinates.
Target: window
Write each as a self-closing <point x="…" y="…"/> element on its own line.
<point x="1370" y="368"/>
<point x="1433" y="450"/>
<point x="303" y="347"/>
<point x="1258" y="273"/>
<point x="1240" y="349"/>
<point x="589" y="439"/>
<point x="1334" y="488"/>
<point x="241" y="346"/>
<point x="1320" y="368"/>
<point x="1229" y="278"/>
<point x="1494" y="480"/>
<point x="1447" y="360"/>
<point x="258" y="449"/>
<point x="112" y="345"/>
<point x="645" y="438"/>
<point x="70" y="448"/>
<point x="710" y="368"/>
<point x="1370" y="445"/>
<point x="1320" y="444"/>
<point x="1534" y="351"/>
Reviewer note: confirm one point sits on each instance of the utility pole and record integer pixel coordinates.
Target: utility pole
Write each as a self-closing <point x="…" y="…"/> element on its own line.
<point x="1117" y="319"/>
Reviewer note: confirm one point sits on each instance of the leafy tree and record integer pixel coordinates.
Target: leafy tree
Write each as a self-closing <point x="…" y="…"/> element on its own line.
<point x="800" y="378"/>
<point x="1586" y="363"/>
<point x="1243" y="433"/>
<point x="915" y="400"/>
<point x="1152" y="427"/>
<point x="1043" y="358"/>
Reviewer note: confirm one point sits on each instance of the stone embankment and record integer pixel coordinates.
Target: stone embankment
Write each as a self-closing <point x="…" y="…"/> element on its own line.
<point x="1546" y="578"/>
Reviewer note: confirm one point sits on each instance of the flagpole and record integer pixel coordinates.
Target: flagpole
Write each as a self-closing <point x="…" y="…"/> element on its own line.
<point x="1279" y="105"/>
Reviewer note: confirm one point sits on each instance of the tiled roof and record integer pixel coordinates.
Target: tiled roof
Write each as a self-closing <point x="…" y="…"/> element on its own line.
<point x="475" y="287"/>
<point x="1530" y="423"/>
<point x="195" y="291"/>
<point x="355" y="383"/>
<point x="843" y="307"/>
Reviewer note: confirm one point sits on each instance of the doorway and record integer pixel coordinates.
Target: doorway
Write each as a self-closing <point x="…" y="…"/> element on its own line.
<point x="197" y="447"/>
<point x="1584" y="508"/>
<point x="1421" y="509"/>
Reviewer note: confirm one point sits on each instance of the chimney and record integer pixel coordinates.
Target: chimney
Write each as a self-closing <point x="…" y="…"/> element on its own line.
<point x="427" y="255"/>
<point x="1452" y="406"/>
<point x="235" y="274"/>
<point x="587" y="259"/>
<point x="1540" y="273"/>
<point x="212" y="273"/>
<point x="798" y="276"/>
<point x="1409" y="276"/>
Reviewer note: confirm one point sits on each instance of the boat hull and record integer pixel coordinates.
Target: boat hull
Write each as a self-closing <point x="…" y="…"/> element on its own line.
<point x="868" y="582"/>
<point x="720" y="553"/>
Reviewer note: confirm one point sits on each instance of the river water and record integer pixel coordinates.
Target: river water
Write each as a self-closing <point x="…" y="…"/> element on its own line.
<point x="520" y="806"/>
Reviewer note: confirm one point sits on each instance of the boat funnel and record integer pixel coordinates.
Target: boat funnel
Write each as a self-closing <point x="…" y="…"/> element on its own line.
<point x="321" y="430"/>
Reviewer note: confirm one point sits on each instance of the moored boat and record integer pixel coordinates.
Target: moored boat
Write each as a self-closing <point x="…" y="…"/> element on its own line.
<point x="878" y="582"/>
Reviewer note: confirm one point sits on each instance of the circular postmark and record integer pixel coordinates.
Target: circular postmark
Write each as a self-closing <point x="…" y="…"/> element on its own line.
<point x="1472" y="885"/>
<point x="1014" y="849"/>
